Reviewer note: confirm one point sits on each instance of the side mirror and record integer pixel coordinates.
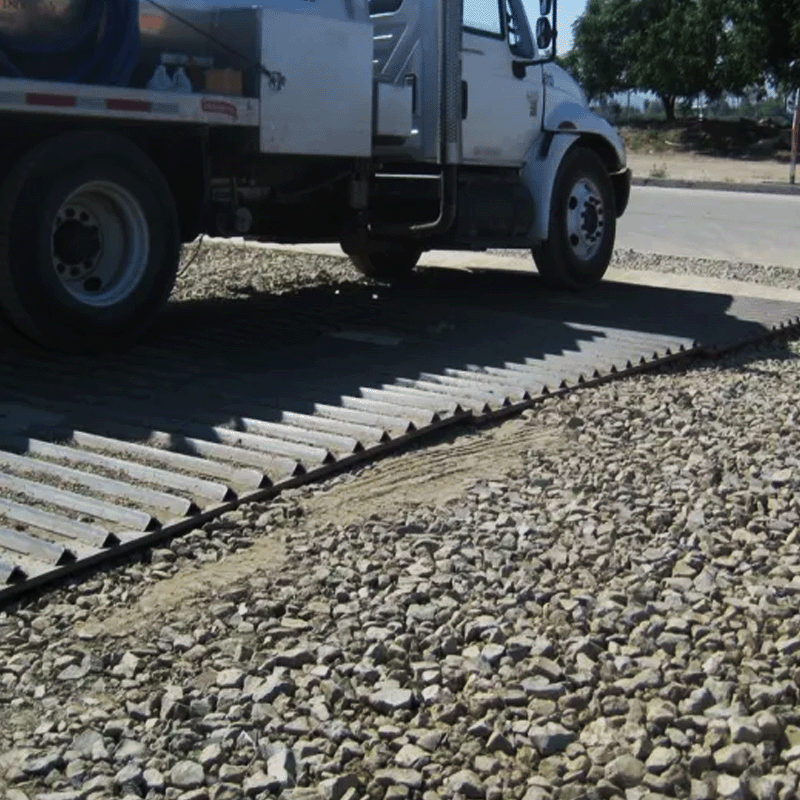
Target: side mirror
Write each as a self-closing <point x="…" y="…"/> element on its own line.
<point x="544" y="31"/>
<point x="545" y="39"/>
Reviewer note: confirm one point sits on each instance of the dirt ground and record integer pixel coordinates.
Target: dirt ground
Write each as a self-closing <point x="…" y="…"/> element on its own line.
<point x="688" y="166"/>
<point x="724" y="151"/>
<point x="434" y="474"/>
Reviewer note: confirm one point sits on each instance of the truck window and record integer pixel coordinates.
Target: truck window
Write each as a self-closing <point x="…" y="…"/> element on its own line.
<point x="483" y="16"/>
<point x="384" y="6"/>
<point x="515" y="42"/>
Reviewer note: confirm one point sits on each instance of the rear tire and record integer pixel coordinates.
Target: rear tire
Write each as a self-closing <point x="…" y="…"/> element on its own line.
<point x="89" y="243"/>
<point x="385" y="261"/>
<point x="582" y="227"/>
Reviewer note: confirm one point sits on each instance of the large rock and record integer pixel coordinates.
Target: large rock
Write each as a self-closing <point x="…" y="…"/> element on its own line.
<point x="42" y="765"/>
<point x="466" y="783"/>
<point x="550" y="738"/>
<point x="625" y="771"/>
<point x="282" y="766"/>
<point x="399" y="776"/>
<point x="734" y="758"/>
<point x="128" y="665"/>
<point x="661" y="759"/>
<point x="391" y="699"/>
<point x="730" y="787"/>
<point x="411" y="756"/>
<point x="340" y="786"/>
<point x="259" y="783"/>
<point x="187" y="775"/>
<point x="231" y="678"/>
<point x="90" y="744"/>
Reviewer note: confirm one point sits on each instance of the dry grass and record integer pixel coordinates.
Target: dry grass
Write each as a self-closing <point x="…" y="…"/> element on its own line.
<point x="652" y="140"/>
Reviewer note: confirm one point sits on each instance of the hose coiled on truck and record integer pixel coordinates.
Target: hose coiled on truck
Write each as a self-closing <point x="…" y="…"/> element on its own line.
<point x="103" y="50"/>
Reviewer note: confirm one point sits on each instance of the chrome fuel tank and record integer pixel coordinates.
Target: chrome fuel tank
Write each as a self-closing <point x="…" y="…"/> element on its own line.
<point x="310" y="63"/>
<point x="196" y="34"/>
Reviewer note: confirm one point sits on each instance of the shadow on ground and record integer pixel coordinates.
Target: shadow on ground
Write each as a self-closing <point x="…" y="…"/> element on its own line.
<point x="211" y="361"/>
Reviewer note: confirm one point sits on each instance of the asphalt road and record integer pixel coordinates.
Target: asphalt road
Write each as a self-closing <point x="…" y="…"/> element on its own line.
<point x="733" y="226"/>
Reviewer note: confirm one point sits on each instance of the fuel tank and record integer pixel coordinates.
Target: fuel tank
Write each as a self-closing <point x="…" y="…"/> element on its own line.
<point x="308" y="62"/>
<point x="40" y="21"/>
<point x="199" y="35"/>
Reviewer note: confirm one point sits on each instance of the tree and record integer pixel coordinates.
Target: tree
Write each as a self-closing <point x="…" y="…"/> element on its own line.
<point x="765" y="36"/>
<point x="742" y="65"/>
<point x="598" y="59"/>
<point x="672" y="48"/>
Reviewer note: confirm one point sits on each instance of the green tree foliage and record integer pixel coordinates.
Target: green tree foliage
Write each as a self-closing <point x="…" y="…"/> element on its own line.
<point x="765" y="35"/>
<point x="599" y="58"/>
<point x="673" y="48"/>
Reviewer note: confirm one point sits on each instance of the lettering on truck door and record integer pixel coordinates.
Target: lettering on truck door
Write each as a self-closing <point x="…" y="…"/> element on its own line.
<point x="504" y="113"/>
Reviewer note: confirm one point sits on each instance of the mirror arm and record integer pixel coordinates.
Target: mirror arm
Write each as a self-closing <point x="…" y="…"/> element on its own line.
<point x="520" y="65"/>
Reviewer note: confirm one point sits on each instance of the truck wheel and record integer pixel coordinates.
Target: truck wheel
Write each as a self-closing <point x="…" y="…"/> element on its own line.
<point x="583" y="221"/>
<point x="89" y="242"/>
<point x="385" y="261"/>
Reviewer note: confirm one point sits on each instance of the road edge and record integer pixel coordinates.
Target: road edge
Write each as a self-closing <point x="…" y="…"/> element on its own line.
<point x="723" y="186"/>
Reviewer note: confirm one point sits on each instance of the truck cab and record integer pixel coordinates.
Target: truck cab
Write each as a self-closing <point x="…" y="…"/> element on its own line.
<point x="535" y="167"/>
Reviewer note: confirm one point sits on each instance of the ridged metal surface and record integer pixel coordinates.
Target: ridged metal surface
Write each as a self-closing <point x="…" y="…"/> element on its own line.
<point x="231" y="400"/>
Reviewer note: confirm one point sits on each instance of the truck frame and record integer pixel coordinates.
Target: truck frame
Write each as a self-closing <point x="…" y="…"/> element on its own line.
<point x="391" y="127"/>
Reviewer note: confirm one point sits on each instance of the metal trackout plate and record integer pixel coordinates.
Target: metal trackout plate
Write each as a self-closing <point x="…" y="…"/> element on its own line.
<point x="231" y="399"/>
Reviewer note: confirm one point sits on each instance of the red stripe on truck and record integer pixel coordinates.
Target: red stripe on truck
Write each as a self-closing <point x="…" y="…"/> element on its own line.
<point x="60" y="100"/>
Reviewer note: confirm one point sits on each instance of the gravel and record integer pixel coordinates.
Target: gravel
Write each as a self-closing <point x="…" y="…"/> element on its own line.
<point x="614" y="617"/>
<point x="219" y="270"/>
<point x="222" y="269"/>
<point x="780" y="277"/>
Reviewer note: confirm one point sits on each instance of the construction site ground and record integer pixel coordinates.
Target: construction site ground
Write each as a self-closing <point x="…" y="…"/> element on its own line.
<point x="595" y="599"/>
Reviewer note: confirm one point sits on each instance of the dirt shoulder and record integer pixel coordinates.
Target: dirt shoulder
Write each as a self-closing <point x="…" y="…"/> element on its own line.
<point x="735" y="151"/>
<point x="705" y="168"/>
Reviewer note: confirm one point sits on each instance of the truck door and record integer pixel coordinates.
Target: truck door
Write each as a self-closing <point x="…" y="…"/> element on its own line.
<point x="503" y="113"/>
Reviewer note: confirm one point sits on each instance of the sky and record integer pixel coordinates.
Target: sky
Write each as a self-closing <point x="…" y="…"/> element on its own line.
<point x="568" y="12"/>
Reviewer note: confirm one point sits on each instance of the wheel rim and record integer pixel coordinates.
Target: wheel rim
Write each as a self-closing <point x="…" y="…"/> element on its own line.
<point x="100" y="244"/>
<point x="585" y="219"/>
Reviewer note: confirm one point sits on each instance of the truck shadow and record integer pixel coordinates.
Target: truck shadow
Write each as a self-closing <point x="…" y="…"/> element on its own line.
<point x="214" y="362"/>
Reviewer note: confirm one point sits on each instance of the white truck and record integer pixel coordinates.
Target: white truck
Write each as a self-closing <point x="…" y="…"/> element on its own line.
<point x="388" y="126"/>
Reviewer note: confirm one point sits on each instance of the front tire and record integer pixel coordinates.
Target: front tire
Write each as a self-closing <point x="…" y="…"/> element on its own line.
<point x="582" y="227"/>
<point x="385" y="261"/>
<point x="89" y="242"/>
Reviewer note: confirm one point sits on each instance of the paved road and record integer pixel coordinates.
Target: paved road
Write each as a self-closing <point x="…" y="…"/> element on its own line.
<point x="734" y="226"/>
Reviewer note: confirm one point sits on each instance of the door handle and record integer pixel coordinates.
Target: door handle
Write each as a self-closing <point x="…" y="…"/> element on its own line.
<point x="411" y="80"/>
<point x="464" y="96"/>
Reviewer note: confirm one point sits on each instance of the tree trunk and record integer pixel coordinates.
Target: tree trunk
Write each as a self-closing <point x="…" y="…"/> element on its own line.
<point x="668" y="102"/>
